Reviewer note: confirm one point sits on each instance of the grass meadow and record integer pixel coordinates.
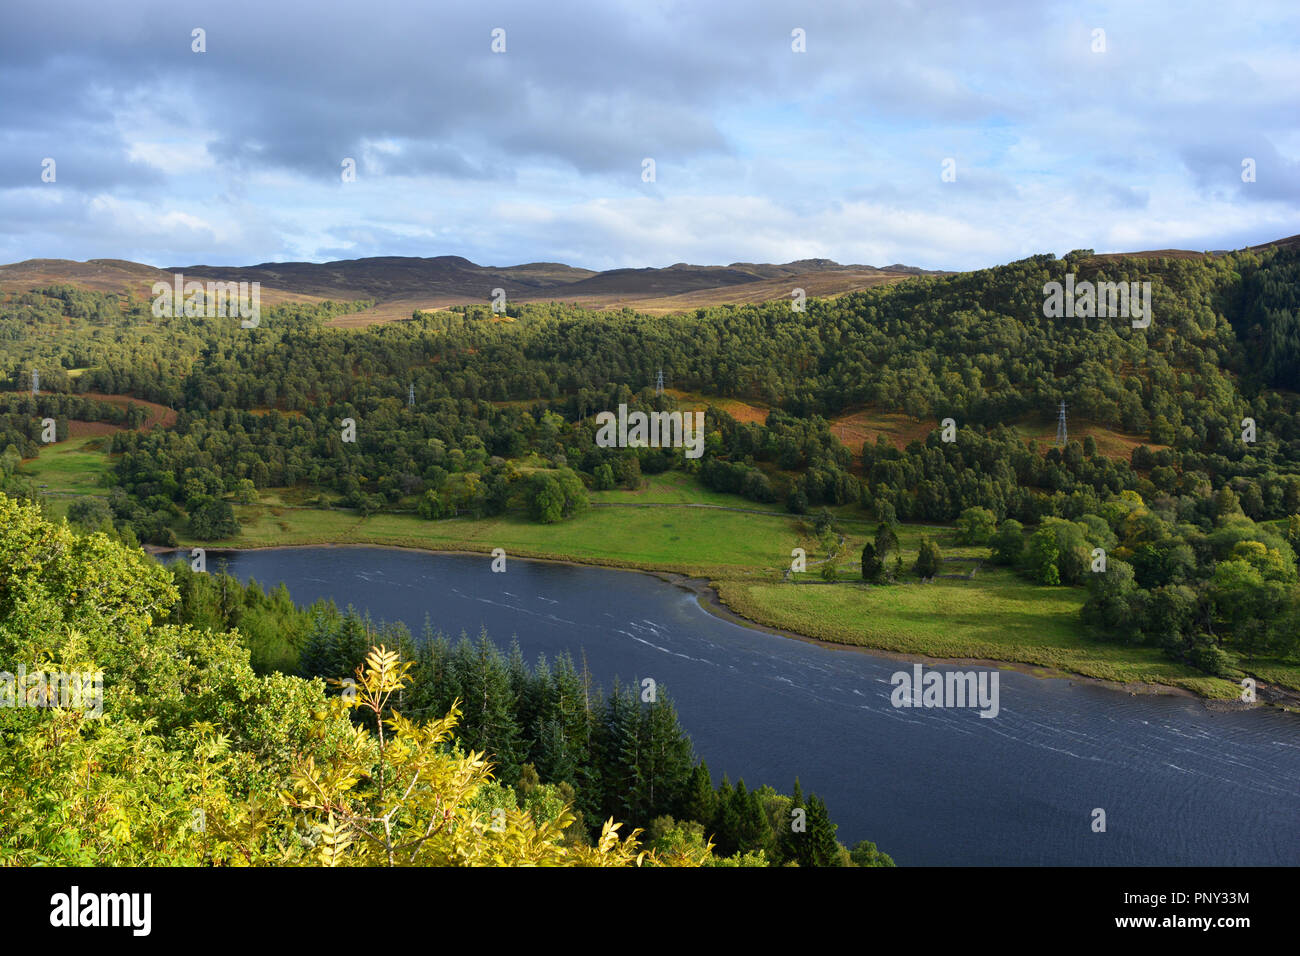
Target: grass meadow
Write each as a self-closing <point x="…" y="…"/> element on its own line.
<point x="672" y="523"/>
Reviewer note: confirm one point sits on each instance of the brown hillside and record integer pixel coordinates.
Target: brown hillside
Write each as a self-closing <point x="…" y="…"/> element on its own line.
<point x="118" y="276"/>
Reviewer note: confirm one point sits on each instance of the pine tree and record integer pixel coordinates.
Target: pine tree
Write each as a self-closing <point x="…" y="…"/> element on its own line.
<point x="489" y="720"/>
<point x="421" y="696"/>
<point x="319" y="649"/>
<point x="724" y="824"/>
<point x="445" y="684"/>
<point x="700" y="802"/>
<point x="927" y="559"/>
<point x="790" y="839"/>
<point x="565" y="700"/>
<point x="755" y="831"/>
<point x="819" y="846"/>
<point x="871" y="565"/>
<point x="886" y="540"/>
<point x="525" y="691"/>
<point x="555" y="761"/>
<point x="352" y="644"/>
<point x="620" y="757"/>
<point x="666" y="758"/>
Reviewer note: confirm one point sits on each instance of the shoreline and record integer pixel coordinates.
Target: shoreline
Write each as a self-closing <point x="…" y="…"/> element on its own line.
<point x="710" y="602"/>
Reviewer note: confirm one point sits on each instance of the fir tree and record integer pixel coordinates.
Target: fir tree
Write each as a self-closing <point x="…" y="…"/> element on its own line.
<point x="555" y="762"/>
<point x="886" y="540"/>
<point x="489" y="718"/>
<point x="620" y="756"/>
<point x="753" y="831"/>
<point x="927" y="559"/>
<point x="871" y="565"/>
<point x="819" y="846"/>
<point x="320" y="648"/>
<point x="790" y="839"/>
<point x="525" y="689"/>
<point x="700" y="802"/>
<point x="724" y="821"/>
<point x="566" y="701"/>
<point x="667" y="756"/>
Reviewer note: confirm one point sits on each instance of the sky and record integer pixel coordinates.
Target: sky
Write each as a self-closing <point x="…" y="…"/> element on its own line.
<point x="946" y="135"/>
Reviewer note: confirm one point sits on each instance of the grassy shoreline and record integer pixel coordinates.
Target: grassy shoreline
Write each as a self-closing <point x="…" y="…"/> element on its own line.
<point x="995" y="620"/>
<point x="735" y="554"/>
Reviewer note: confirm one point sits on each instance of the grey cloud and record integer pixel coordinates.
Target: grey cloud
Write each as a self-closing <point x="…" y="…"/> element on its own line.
<point x="1217" y="168"/>
<point x="593" y="88"/>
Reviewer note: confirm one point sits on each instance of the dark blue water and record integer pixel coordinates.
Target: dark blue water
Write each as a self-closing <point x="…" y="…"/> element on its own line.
<point x="1179" y="784"/>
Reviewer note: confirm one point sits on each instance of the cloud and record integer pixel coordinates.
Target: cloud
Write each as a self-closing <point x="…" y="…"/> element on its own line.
<point x="234" y="155"/>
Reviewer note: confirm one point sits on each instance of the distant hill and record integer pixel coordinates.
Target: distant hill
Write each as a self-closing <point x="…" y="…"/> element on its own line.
<point x="1189" y="254"/>
<point x="384" y="278"/>
<point x="399" y="285"/>
<point x="118" y="275"/>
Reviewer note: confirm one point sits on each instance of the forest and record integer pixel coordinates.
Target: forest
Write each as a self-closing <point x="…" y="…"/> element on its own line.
<point x="197" y="758"/>
<point x="465" y="412"/>
<point x="604" y="754"/>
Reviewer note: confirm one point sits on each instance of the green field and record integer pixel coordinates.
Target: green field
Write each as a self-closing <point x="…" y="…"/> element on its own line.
<point x="68" y="469"/>
<point x="674" y="524"/>
<point x="702" y="541"/>
<point x="996" y="616"/>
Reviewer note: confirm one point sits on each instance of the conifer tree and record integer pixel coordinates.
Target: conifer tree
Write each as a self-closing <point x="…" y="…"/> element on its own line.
<point x="819" y="846"/>
<point x="790" y="838"/>
<point x="886" y="539"/>
<point x="871" y="564"/>
<point x="555" y="760"/>
<point x="667" y="756"/>
<point x="701" y="800"/>
<point x="524" y="689"/>
<point x="725" y="823"/>
<point x="489" y="709"/>
<point x="319" y="649"/>
<point x="566" y="701"/>
<point x="753" y="831"/>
